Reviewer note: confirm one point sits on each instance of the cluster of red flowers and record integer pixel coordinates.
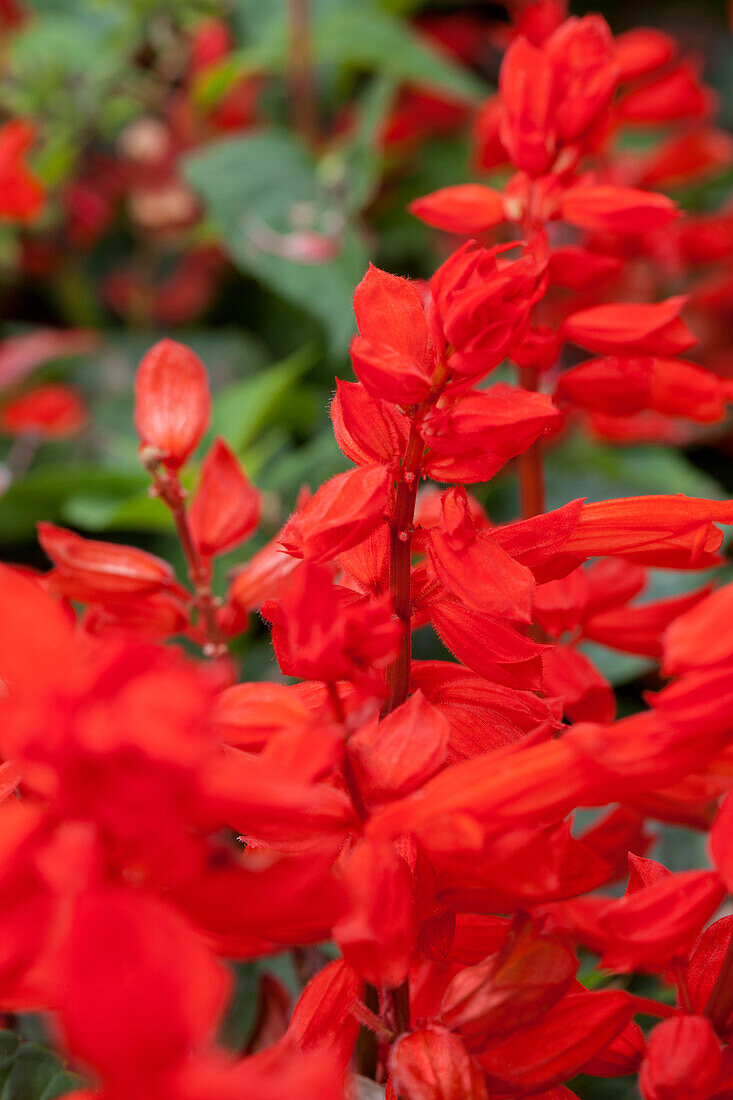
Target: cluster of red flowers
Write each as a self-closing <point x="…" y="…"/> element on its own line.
<point x="416" y="814"/>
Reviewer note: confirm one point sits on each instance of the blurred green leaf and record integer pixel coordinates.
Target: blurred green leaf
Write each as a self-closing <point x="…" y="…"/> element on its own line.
<point x="46" y="493"/>
<point x="311" y="464"/>
<point x="243" y="410"/>
<point x="358" y="35"/>
<point x="357" y="166"/>
<point x="110" y="513"/>
<point x="585" y="468"/>
<point x="259" y="190"/>
<point x="33" y="1072"/>
<point x="241" y="1014"/>
<point x="354" y="35"/>
<point x="618" y="668"/>
<point x="60" y="1084"/>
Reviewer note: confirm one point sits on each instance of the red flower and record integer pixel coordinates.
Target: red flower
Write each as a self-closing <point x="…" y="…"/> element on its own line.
<point x="322" y="632"/>
<point x="683" y="1060"/>
<point x="607" y="209"/>
<point x="226" y="508"/>
<point x="483" y="303"/>
<point x="340" y="515"/>
<point x="87" y="569"/>
<point x="52" y="411"/>
<point x="633" y="329"/>
<point x="21" y="193"/>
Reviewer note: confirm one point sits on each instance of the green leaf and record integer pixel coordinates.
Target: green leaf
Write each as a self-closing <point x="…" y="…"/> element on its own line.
<point x="256" y="190"/>
<point x="359" y="35"/>
<point x="618" y="668"/>
<point x="357" y="166"/>
<point x="34" y="1068"/>
<point x="354" y="35"/>
<point x="241" y="1014"/>
<point x="8" y="1051"/>
<point x="61" y="1083"/>
<point x="311" y="464"/>
<point x="245" y="409"/>
<point x="581" y="468"/>
<point x="45" y="493"/>
<point x="30" y="1071"/>
<point x="111" y="513"/>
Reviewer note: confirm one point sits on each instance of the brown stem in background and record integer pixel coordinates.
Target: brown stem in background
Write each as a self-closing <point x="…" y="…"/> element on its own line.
<point x="301" y="75"/>
<point x="171" y="492"/>
<point x="531" y="472"/>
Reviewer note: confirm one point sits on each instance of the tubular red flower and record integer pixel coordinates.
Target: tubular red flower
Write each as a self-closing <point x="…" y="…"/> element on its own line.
<point x="226" y="508"/>
<point x="87" y="569"/>
<point x="633" y="329"/>
<point x="608" y="209"/>
<point x="468" y="208"/>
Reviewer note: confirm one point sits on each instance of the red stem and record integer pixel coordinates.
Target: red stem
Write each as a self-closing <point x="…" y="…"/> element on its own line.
<point x="400" y="542"/>
<point x="168" y="487"/>
<point x="531" y="471"/>
<point x="400" y="560"/>
<point x="400" y="563"/>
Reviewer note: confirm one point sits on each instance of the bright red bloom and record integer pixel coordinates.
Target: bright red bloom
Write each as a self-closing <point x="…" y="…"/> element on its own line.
<point x="626" y="386"/>
<point x="433" y="1064"/>
<point x="397" y="755"/>
<point x="550" y="1051"/>
<point x="226" y="508"/>
<point x="468" y="209"/>
<point x="483" y="304"/>
<point x="392" y="356"/>
<point x="677" y="93"/>
<point x="376" y="933"/>
<point x="509" y="989"/>
<point x="322" y="632"/>
<point x="143" y="1020"/>
<point x="556" y="94"/>
<point x="642" y="50"/>
<point x="340" y="515"/>
<point x="459" y="553"/>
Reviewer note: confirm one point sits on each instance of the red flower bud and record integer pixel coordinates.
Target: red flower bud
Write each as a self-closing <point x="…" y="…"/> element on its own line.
<point x="468" y="208"/>
<point x="172" y="401"/>
<point x="609" y="209"/>
<point x="682" y="1060"/>
<point x="432" y="1064"/>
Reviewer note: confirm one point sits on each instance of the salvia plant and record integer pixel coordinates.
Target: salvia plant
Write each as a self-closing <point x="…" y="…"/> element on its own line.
<point x="449" y="856"/>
